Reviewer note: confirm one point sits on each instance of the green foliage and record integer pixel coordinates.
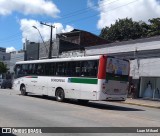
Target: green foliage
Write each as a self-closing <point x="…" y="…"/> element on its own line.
<point x="125" y="29"/>
<point x="154" y="27"/>
<point x="3" y="68"/>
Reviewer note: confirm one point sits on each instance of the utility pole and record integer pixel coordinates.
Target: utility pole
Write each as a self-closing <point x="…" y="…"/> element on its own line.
<point x="50" y="45"/>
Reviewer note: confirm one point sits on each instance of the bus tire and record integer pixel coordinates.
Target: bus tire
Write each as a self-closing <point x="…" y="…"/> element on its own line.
<point x="23" y="90"/>
<point x="60" y="95"/>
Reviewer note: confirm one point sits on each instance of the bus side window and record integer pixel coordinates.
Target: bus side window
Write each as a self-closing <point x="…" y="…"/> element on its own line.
<point x="18" y="70"/>
<point x="61" y="69"/>
<point x="89" y="68"/>
<point x="39" y="69"/>
<point x="34" y="69"/>
<point x="84" y="70"/>
<point x="25" y="69"/>
<point x="77" y="68"/>
<point x="31" y="70"/>
<point x="70" y="69"/>
<point x="92" y="68"/>
<point x="47" y="68"/>
<point x="51" y="69"/>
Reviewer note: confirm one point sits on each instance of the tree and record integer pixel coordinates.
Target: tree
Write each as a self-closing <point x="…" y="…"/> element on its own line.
<point x="145" y="28"/>
<point x="3" y="68"/>
<point x="154" y="27"/>
<point x="124" y="29"/>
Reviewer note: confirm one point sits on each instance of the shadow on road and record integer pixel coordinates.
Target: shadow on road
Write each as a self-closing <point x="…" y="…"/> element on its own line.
<point x="111" y="107"/>
<point x="91" y="104"/>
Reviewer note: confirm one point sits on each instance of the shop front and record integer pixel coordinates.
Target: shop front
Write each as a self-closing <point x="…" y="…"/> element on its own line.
<point x="150" y="88"/>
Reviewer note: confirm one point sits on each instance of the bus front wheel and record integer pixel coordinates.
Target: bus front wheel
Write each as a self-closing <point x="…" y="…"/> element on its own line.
<point x="60" y="95"/>
<point x="23" y="90"/>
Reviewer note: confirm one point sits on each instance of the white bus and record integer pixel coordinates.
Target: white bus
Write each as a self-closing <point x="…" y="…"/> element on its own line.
<point x="83" y="78"/>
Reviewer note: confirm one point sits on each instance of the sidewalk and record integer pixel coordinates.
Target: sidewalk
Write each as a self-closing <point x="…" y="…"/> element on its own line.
<point x="143" y="102"/>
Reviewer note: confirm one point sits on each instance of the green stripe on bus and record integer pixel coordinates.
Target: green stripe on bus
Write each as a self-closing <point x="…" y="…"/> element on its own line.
<point x="31" y="76"/>
<point x="83" y="80"/>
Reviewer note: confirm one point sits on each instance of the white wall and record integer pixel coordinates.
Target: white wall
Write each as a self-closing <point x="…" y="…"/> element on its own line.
<point x="94" y="50"/>
<point x="147" y="68"/>
<point x="134" y="69"/>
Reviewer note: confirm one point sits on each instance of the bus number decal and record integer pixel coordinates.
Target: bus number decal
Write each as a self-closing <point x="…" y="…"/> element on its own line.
<point x="57" y="80"/>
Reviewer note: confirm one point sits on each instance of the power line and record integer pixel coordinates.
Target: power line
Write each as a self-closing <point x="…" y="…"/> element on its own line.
<point x="67" y="16"/>
<point x="85" y="10"/>
<point x="85" y="17"/>
<point x="81" y="19"/>
<point x="88" y="17"/>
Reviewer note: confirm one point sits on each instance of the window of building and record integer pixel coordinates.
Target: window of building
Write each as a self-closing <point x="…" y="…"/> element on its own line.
<point x="4" y="58"/>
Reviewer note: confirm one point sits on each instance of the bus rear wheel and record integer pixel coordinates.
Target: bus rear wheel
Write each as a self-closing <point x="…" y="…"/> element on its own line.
<point x="60" y="95"/>
<point x="23" y="90"/>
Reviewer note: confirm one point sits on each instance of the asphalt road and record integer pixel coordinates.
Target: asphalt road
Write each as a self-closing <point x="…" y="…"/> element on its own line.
<point x="36" y="111"/>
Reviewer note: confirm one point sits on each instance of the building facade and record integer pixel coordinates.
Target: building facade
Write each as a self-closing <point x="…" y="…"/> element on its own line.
<point x="2" y="49"/>
<point x="4" y="57"/>
<point x="73" y="41"/>
<point x="82" y="38"/>
<point x="144" y="56"/>
<point x="15" y="57"/>
<point x="32" y="50"/>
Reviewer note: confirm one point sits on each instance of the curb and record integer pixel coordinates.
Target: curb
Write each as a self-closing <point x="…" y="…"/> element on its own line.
<point x="150" y="106"/>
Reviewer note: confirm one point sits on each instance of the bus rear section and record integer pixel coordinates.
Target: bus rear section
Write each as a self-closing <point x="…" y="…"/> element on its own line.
<point x="113" y="76"/>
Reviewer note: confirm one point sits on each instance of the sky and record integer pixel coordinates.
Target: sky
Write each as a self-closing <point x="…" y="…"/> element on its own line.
<point x="17" y="17"/>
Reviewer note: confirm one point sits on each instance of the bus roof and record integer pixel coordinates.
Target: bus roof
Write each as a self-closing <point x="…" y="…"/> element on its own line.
<point x="61" y="59"/>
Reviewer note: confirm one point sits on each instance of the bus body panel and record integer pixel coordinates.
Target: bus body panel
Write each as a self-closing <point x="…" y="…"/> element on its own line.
<point x="89" y="91"/>
<point x="72" y="89"/>
<point x="104" y="87"/>
<point x="112" y="90"/>
<point x="38" y="85"/>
